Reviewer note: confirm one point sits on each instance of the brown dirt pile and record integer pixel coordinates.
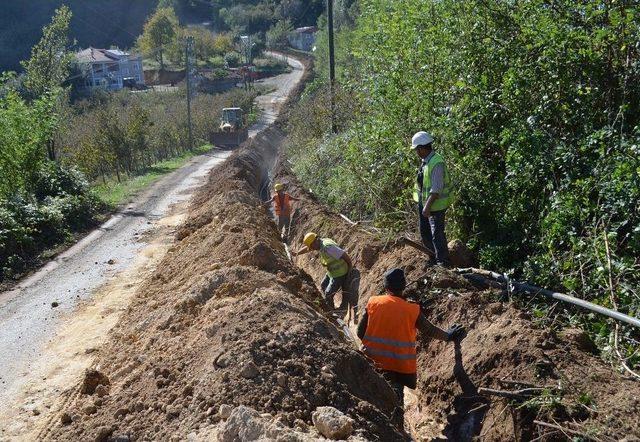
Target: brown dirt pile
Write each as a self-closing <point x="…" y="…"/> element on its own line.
<point x="225" y="319"/>
<point x="586" y="396"/>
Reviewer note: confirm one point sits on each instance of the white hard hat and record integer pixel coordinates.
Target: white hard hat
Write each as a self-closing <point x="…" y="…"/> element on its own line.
<point x="421" y="139"/>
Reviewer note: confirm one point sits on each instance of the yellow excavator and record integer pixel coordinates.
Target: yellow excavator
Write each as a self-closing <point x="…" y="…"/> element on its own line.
<point x="232" y="132"/>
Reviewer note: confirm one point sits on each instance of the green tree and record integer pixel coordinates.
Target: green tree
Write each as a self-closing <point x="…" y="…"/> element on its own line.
<point x="278" y="35"/>
<point x="160" y="32"/>
<point x="223" y="43"/>
<point x="534" y="107"/>
<point x="50" y="60"/>
<point x="24" y="130"/>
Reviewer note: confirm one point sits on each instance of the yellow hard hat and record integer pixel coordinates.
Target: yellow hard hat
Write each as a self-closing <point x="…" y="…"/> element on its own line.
<point x="278" y="186"/>
<point x="309" y="238"/>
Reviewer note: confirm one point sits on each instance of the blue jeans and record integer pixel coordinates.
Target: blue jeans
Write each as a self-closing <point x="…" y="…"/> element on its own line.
<point x="433" y="235"/>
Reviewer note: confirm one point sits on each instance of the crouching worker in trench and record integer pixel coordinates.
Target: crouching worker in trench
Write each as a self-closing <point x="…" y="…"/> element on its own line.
<point x="338" y="265"/>
<point x="282" y="206"/>
<point x="388" y="330"/>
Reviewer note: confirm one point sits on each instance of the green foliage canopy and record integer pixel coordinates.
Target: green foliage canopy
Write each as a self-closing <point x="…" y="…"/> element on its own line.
<point x="533" y="104"/>
<point x="160" y="32"/>
<point x="50" y="60"/>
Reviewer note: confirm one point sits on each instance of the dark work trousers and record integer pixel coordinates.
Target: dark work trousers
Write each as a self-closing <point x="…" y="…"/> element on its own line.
<point x="330" y="287"/>
<point x="284" y="221"/>
<point x="433" y="235"/>
<point x="397" y="382"/>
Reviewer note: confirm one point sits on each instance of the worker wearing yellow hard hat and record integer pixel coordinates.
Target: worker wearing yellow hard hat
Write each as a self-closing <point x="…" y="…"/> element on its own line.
<point x="282" y="207"/>
<point x="338" y="265"/>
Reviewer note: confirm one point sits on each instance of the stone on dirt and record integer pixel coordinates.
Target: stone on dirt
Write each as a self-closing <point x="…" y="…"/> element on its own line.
<point x="332" y="423"/>
<point x="225" y="411"/>
<point x="101" y="391"/>
<point x="249" y="371"/>
<point x="103" y="433"/>
<point x="245" y="424"/>
<point x="65" y="419"/>
<point x="92" y="379"/>
<point x="282" y="380"/>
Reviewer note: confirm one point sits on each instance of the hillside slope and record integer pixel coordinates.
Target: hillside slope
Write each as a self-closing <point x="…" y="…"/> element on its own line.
<point x="94" y="23"/>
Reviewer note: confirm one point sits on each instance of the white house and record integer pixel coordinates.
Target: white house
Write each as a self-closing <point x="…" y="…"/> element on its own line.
<point x="111" y="69"/>
<point x="303" y="38"/>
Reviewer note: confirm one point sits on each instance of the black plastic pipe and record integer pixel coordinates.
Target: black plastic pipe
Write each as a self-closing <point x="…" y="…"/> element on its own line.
<point x="532" y="289"/>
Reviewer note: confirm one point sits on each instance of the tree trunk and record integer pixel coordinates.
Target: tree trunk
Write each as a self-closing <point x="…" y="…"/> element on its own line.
<point x="51" y="150"/>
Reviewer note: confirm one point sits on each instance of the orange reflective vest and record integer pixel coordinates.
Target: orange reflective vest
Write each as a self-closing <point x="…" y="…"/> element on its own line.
<point x="390" y="339"/>
<point x="282" y="205"/>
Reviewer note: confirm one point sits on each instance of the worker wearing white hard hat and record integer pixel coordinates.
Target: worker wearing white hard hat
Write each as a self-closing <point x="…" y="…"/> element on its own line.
<point x="433" y="196"/>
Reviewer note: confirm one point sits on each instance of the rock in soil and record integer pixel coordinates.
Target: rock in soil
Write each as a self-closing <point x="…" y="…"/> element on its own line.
<point x="249" y="370"/>
<point x="92" y="379"/>
<point x="332" y="423"/>
<point x="225" y="411"/>
<point x="101" y="391"/>
<point x="65" y="419"/>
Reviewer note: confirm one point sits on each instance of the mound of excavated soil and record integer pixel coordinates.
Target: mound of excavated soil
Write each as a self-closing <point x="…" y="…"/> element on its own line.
<point x="228" y="340"/>
<point x="504" y="350"/>
<point x="226" y="320"/>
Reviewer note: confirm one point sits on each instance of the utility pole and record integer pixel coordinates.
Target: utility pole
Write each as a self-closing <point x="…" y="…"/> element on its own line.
<point x="188" y="52"/>
<point x="247" y="47"/>
<point x="332" y="65"/>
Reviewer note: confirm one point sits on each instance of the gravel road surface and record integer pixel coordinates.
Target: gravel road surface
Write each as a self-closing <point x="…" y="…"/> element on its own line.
<point x="31" y="312"/>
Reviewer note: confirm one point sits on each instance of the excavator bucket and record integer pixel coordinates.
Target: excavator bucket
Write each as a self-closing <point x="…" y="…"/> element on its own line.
<point x="229" y="139"/>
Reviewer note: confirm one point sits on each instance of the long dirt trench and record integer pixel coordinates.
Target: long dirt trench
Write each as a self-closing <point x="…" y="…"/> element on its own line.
<point x="228" y="320"/>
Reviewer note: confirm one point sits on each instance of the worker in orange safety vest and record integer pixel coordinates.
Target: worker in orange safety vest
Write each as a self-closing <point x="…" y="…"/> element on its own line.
<point x="388" y="330"/>
<point x="282" y="206"/>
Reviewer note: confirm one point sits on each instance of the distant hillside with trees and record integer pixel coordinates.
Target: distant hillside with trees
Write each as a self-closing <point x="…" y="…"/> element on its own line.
<point x="94" y="23"/>
<point x="119" y="22"/>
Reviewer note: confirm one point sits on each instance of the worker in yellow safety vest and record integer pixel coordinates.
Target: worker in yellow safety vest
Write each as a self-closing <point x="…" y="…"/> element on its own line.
<point x="282" y="207"/>
<point x="433" y="196"/>
<point x="388" y="331"/>
<point x="338" y="265"/>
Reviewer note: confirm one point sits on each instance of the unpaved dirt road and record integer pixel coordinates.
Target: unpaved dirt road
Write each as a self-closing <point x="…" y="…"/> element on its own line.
<point x="91" y="282"/>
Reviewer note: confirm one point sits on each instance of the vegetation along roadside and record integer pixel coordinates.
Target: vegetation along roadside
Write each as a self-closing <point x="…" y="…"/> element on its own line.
<point x="534" y="109"/>
<point x="66" y="162"/>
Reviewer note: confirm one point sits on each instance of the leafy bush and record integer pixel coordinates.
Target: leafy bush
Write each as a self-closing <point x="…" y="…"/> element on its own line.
<point x="53" y="180"/>
<point x="533" y="108"/>
<point x="28" y="226"/>
<point x="216" y="62"/>
<point x="277" y="36"/>
<point x="271" y="65"/>
<point x="232" y="59"/>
